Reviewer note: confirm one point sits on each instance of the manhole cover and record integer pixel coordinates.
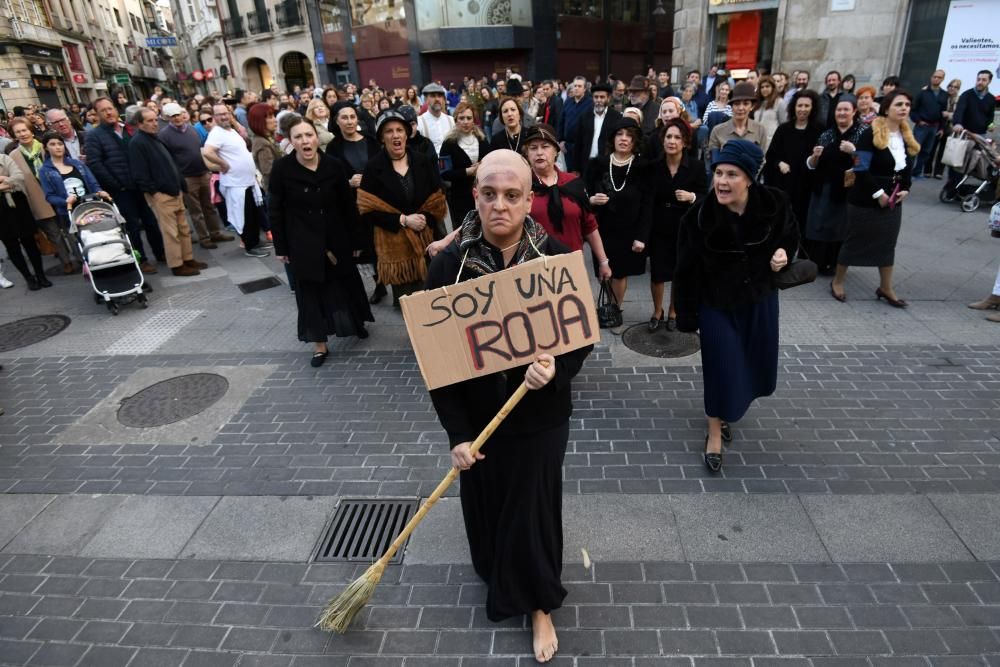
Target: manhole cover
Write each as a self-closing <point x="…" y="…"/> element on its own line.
<point x="258" y="285"/>
<point x="362" y="530"/>
<point x="30" y="331"/>
<point x="172" y="400"/>
<point x="660" y="343"/>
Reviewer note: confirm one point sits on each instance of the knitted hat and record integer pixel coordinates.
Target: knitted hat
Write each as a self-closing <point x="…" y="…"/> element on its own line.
<point x="743" y="154"/>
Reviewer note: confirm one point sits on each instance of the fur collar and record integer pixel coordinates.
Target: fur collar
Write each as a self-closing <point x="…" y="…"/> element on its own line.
<point x="880" y="136"/>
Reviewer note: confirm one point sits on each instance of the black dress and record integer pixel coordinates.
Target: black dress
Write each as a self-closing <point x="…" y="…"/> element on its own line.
<point x="313" y="213"/>
<point x="512" y="499"/>
<point x="792" y="146"/>
<point x="460" y="200"/>
<point x="667" y="212"/>
<point x="626" y="216"/>
<point x="826" y="225"/>
<point x="355" y="156"/>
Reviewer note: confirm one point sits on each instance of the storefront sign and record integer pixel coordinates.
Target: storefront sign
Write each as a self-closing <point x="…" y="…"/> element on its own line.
<point x="503" y="320"/>
<point x="10" y="84"/>
<point x="971" y="42"/>
<point x="160" y="42"/>
<point x="79" y="78"/>
<point x="122" y="78"/>
<point x="400" y="72"/>
<point x="39" y="52"/>
<point x="842" y="5"/>
<point x="197" y="75"/>
<point x="729" y="6"/>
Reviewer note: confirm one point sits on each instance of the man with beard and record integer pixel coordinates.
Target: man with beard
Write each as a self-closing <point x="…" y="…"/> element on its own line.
<point x="801" y="79"/>
<point x="594" y="131"/>
<point x="638" y="95"/>
<point x="828" y="99"/>
<point x="435" y="123"/>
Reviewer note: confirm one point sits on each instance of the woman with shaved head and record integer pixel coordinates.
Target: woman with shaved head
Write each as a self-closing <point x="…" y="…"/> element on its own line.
<point x="512" y="488"/>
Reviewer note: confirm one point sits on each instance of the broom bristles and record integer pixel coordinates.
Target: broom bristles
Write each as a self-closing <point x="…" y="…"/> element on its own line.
<point x="341" y="610"/>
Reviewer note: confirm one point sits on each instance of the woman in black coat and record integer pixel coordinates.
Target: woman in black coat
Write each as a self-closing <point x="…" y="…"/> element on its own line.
<point x="730" y="248"/>
<point x="354" y="149"/>
<point x="401" y="198"/>
<point x="884" y="161"/>
<point x="461" y="152"/>
<point x="315" y="227"/>
<point x="793" y="141"/>
<point x="677" y="181"/>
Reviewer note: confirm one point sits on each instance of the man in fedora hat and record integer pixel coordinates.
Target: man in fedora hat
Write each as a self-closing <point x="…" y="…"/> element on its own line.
<point x="740" y="126"/>
<point x="639" y="96"/>
<point x="594" y="131"/>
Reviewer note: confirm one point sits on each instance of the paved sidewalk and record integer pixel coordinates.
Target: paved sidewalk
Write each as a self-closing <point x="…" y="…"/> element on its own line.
<point x="856" y="521"/>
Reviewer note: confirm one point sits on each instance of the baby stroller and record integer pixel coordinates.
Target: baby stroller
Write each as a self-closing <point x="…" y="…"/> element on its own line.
<point x="979" y="175"/>
<point x="108" y="258"/>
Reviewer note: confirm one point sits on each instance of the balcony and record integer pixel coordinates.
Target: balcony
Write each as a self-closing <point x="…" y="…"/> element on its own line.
<point x="233" y="28"/>
<point x="35" y="33"/>
<point x="66" y="24"/>
<point x="203" y="31"/>
<point x="155" y="73"/>
<point x="258" y="23"/>
<point x="288" y="14"/>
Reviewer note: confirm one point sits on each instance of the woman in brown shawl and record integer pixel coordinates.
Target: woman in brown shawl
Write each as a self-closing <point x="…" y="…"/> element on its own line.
<point x="401" y="197"/>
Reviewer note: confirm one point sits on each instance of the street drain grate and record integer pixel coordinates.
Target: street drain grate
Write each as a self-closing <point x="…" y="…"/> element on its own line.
<point x="258" y="285"/>
<point x="660" y="343"/>
<point x="362" y="530"/>
<point x="31" y="330"/>
<point x="172" y="400"/>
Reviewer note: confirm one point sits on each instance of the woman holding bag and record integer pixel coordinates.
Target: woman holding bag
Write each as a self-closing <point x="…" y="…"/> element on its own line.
<point x="883" y="166"/>
<point x="730" y="249"/>
<point x="17" y="227"/>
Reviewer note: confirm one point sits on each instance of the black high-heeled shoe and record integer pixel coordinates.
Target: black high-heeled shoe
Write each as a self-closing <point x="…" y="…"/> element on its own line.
<point x="318" y="358"/>
<point x="895" y="303"/>
<point x="713" y="460"/>
<point x="655" y="323"/>
<point x="727" y="432"/>
<point x="32" y="283"/>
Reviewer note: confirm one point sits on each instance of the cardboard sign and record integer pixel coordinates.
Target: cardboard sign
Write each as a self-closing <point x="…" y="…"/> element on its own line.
<point x="502" y="320"/>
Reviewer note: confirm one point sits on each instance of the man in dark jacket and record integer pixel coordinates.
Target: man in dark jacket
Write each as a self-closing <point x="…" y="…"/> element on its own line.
<point x="158" y="178"/>
<point x="928" y="105"/>
<point x="602" y="122"/>
<point x="578" y="104"/>
<point x="829" y="99"/>
<point x="973" y="113"/>
<point x="639" y="97"/>
<point x="107" y="157"/>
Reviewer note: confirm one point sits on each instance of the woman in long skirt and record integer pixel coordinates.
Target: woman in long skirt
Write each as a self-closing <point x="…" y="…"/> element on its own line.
<point x="729" y="249"/>
<point x="316" y="230"/>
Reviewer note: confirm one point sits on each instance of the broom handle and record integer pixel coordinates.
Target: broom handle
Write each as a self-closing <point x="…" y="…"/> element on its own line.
<point x="453" y="473"/>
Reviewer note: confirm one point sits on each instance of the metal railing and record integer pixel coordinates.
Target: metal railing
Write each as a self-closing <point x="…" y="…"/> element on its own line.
<point x="233" y="27"/>
<point x="35" y="33"/>
<point x="203" y="30"/>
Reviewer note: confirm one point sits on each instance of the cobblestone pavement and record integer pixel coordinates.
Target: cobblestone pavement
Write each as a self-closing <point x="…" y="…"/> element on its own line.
<point x="76" y="611"/>
<point x="857" y="521"/>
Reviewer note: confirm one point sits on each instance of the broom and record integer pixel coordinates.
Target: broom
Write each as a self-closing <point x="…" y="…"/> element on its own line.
<point x="341" y="610"/>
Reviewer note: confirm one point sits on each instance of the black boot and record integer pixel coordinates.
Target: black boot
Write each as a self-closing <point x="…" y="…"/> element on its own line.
<point x="378" y="294"/>
<point x="32" y="283"/>
<point x="42" y="280"/>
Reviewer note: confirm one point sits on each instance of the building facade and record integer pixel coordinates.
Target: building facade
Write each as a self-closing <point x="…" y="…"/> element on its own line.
<point x="203" y="64"/>
<point x="871" y="40"/>
<point x="398" y="42"/>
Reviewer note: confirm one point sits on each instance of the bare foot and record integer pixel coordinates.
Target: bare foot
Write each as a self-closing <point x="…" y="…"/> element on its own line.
<point x="544" y="636"/>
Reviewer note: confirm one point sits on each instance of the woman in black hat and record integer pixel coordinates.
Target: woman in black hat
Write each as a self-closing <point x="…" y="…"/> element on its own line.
<point x="618" y="189"/>
<point x="401" y="197"/>
<point x="729" y="249"/>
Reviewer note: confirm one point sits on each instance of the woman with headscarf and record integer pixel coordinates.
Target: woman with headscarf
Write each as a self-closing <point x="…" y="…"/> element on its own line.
<point x="512" y="126"/>
<point x="355" y="150"/>
<point x="619" y="193"/>
<point x="29" y="156"/>
<point x="831" y="159"/>
<point x="886" y="150"/>
<point x="401" y="197"/>
<point x="729" y="249"/>
<point x="315" y="227"/>
<point x="677" y="181"/>
<point x="793" y="141"/>
<point x="461" y="152"/>
<point x="770" y="110"/>
<point x="319" y="115"/>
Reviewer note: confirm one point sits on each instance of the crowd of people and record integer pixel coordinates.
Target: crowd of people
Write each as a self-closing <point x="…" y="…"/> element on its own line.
<point x="713" y="185"/>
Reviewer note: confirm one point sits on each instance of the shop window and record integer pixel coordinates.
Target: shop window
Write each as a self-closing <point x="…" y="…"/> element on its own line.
<point x="590" y="8"/>
<point x="433" y="14"/>
<point x="744" y="40"/>
<point x="73" y="56"/>
<point x="330" y="17"/>
<point x="627" y="11"/>
<point x="372" y="12"/>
